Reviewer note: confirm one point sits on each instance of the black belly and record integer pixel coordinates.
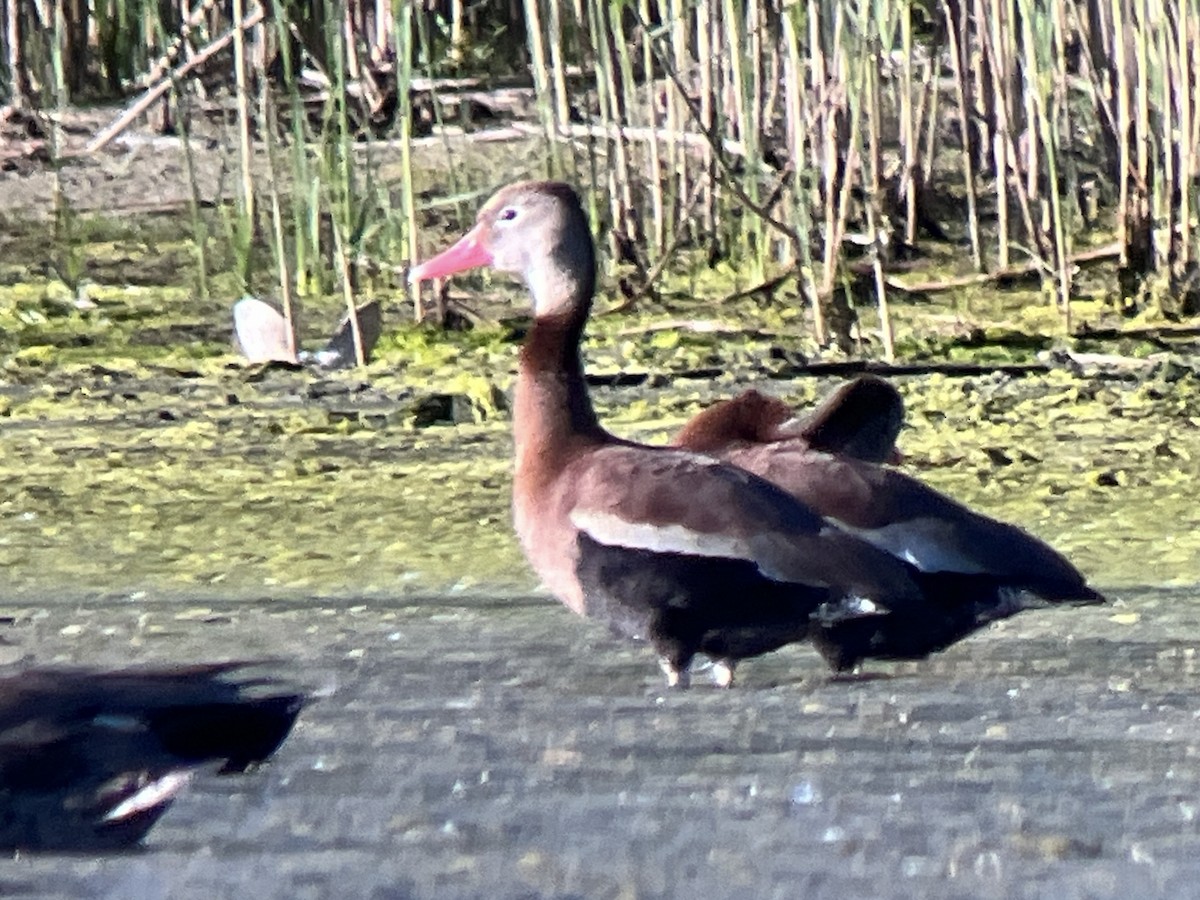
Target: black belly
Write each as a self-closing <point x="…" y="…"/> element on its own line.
<point x="955" y="607"/>
<point x="683" y="604"/>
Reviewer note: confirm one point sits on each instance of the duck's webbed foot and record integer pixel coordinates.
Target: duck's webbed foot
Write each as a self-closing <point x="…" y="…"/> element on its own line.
<point x="722" y="672"/>
<point x="856" y="673"/>
<point x="677" y="676"/>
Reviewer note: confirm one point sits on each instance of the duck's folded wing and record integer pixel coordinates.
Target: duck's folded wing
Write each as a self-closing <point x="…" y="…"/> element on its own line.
<point x="681" y="503"/>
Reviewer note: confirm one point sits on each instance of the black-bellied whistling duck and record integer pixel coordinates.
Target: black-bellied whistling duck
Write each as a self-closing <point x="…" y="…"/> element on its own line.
<point x="89" y="760"/>
<point x="670" y="546"/>
<point x="975" y="570"/>
<point x="860" y="418"/>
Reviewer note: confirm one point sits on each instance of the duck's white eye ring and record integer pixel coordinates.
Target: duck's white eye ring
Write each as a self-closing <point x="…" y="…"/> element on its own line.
<point x="507" y="214"/>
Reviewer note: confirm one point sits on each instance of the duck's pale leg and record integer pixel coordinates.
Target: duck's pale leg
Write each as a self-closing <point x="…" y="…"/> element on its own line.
<point x="676" y="677"/>
<point x="722" y="672"/>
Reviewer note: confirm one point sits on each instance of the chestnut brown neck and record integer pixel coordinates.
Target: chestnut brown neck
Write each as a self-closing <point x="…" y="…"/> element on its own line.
<point x="552" y="410"/>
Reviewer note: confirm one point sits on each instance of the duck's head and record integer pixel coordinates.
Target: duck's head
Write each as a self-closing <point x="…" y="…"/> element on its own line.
<point x="535" y="230"/>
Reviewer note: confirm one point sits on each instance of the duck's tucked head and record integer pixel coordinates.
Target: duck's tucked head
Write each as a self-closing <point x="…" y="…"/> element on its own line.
<point x="750" y="417"/>
<point x="535" y="230"/>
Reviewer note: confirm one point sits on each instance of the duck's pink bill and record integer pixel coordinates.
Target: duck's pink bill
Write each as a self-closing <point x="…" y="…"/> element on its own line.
<point x="467" y="253"/>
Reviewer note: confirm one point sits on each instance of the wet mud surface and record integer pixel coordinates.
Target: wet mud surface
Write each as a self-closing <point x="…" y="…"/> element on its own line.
<point x="495" y="747"/>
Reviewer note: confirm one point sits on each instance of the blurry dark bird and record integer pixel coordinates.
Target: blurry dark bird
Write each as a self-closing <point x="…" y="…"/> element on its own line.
<point x="90" y="759"/>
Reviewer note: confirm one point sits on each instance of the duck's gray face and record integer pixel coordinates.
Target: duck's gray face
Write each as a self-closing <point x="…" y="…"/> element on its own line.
<point x="520" y="228"/>
<point x="533" y="230"/>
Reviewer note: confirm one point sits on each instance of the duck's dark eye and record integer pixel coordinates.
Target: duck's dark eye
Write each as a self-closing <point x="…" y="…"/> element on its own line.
<point x="508" y="214"/>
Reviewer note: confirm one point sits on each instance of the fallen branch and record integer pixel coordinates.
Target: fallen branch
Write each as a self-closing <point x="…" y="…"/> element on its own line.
<point x="143" y="102"/>
<point x="696" y="326"/>
<point x="840" y="367"/>
<point x="1095" y="254"/>
<point x="767" y="287"/>
<point x="1104" y="363"/>
<point x="1160" y="335"/>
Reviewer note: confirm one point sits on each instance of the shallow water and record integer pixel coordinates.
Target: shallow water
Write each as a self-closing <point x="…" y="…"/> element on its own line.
<point x="498" y="747"/>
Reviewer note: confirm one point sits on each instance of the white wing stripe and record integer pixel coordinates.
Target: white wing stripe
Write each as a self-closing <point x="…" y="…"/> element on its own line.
<point x="611" y="529"/>
<point x="773" y="554"/>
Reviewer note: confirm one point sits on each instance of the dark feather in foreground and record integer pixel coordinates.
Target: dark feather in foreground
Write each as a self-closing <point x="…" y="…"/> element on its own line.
<point x="89" y="760"/>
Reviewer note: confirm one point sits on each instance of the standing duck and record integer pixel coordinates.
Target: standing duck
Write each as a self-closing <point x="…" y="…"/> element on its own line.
<point x="974" y="569"/>
<point x="89" y="760"/>
<point x="669" y="546"/>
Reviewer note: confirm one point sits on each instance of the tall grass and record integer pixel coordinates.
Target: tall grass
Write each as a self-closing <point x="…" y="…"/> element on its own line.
<point x="800" y="145"/>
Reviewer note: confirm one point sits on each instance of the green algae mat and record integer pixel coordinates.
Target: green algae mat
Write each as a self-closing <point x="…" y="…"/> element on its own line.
<point x="139" y="455"/>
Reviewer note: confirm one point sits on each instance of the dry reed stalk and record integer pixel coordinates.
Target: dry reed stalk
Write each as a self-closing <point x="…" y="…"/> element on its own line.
<point x="382" y="22"/>
<point x="611" y="118"/>
<point x="277" y="232"/>
<point x="243" y="113"/>
<point x="349" y="42"/>
<point x="798" y="139"/>
<point x="872" y="188"/>
<point x="909" y="143"/>
<point x="1017" y="185"/>
<point x="1062" y="155"/>
<point x="1032" y="99"/>
<point x="930" y="112"/>
<point x="558" y="69"/>
<point x="753" y="87"/>
<point x="1000" y="50"/>
<point x="343" y="261"/>
<point x="955" y="30"/>
<point x="703" y="29"/>
<point x="199" y="236"/>
<point x="658" y="233"/>
<point x="597" y="23"/>
<point x="402" y="29"/>
<point x="12" y="55"/>
<point x="1124" y="121"/>
<point x="625" y="102"/>
<point x="540" y="70"/>
<point x="838" y="163"/>
<point x="747" y="83"/>
<point x="457" y="34"/>
<point x="1141" y="93"/>
<point x="1187" y="95"/>
<point x="678" y="161"/>
<point x="792" y="76"/>
<point x="739" y="119"/>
